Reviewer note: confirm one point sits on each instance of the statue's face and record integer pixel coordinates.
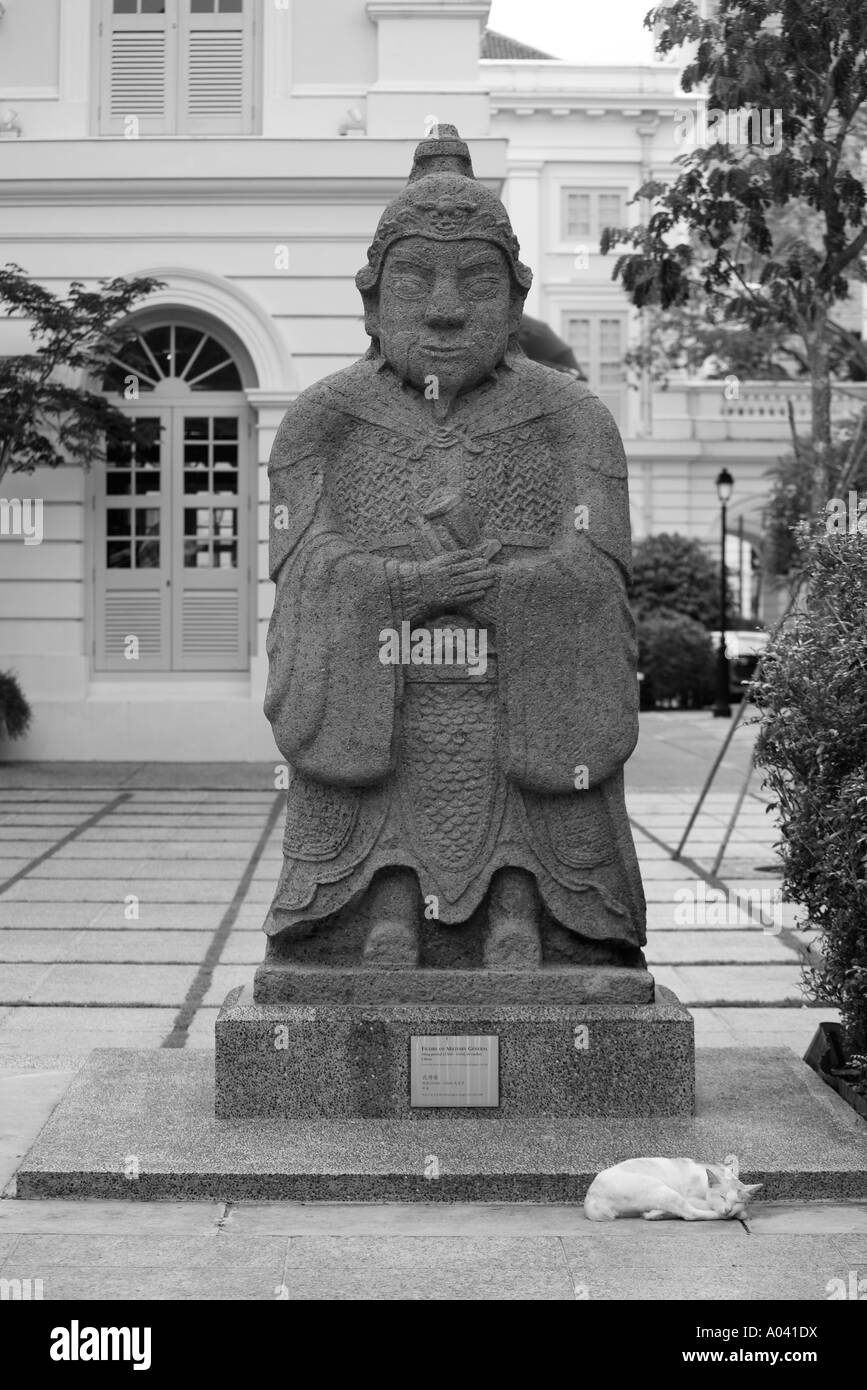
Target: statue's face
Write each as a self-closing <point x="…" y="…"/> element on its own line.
<point x="445" y="310"/>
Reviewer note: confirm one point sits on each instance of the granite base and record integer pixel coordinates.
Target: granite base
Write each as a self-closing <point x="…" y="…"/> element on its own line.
<point x="287" y="982"/>
<point x="788" y="1129"/>
<point x="335" y="1060"/>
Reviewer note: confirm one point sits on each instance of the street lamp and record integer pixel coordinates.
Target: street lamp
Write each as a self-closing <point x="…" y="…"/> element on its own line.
<point x="722" y="709"/>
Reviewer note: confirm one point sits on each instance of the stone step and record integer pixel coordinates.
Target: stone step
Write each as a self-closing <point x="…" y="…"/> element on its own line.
<point x="141" y="1126"/>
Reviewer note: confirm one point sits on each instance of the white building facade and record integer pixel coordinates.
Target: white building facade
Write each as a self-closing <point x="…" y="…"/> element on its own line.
<point x="241" y="151"/>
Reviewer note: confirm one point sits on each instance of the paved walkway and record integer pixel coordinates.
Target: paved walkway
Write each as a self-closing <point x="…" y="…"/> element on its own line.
<point x="202" y="1250"/>
<point x="131" y="902"/>
<point x="132" y="897"/>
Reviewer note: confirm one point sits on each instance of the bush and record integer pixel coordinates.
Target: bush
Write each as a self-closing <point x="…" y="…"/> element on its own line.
<point x="812" y="697"/>
<point x="676" y="658"/>
<point x="675" y="574"/>
<point x="15" y="712"/>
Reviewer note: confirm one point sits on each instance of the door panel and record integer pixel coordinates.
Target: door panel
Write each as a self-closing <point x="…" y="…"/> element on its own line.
<point x="209" y="631"/>
<point x="172" y="546"/>
<point x="133" y="551"/>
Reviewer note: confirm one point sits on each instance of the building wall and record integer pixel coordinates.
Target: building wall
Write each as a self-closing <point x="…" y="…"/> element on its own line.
<point x="261" y="234"/>
<point x="264" y="233"/>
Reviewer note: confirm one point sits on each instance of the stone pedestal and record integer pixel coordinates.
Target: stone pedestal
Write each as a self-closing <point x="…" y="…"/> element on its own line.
<point x="587" y="1057"/>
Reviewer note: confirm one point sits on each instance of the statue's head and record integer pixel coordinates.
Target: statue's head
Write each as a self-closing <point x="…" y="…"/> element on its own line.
<point x="444" y="288"/>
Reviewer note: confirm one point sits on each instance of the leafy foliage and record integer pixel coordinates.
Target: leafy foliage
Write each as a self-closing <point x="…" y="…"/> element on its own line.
<point x="792" y="494"/>
<point x="15" y="713"/>
<point x="812" y="697"/>
<point x="676" y="659"/>
<point x="769" y="235"/>
<point x="695" y="340"/>
<point x="45" y="419"/>
<point x="675" y="574"/>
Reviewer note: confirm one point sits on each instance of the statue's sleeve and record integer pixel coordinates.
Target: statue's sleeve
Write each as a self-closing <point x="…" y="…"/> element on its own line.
<point x="329" y="699"/>
<point x="565" y="632"/>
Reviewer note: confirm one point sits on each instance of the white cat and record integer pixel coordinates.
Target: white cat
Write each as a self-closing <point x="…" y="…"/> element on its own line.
<point x="658" y="1187"/>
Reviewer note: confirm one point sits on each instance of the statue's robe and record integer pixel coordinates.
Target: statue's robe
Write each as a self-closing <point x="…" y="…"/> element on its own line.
<point x="454" y="776"/>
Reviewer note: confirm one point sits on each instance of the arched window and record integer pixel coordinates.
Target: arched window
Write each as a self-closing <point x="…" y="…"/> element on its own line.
<point x="176" y="354"/>
<point x="172" y="508"/>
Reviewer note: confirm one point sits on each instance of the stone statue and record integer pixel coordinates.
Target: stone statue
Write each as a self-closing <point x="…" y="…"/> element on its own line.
<point x="452" y="655"/>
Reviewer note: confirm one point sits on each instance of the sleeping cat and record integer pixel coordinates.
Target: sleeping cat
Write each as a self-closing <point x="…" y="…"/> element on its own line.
<point x="658" y="1187"/>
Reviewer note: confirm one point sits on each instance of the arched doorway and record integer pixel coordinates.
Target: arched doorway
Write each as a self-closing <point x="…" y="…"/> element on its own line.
<point x="172" y="509"/>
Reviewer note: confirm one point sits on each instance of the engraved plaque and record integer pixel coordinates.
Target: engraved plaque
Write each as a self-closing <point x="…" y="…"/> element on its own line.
<point x="455" y="1070"/>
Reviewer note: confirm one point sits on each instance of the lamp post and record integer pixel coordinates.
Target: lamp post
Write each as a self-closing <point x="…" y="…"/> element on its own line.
<point x="722" y="709"/>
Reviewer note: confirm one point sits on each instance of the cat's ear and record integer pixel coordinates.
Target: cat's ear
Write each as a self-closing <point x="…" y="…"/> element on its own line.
<point x="750" y="1189"/>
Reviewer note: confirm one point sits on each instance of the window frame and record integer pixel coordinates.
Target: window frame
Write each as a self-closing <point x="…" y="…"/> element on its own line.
<point x="594" y="192"/>
<point x="176" y="124"/>
<point x="613" y="394"/>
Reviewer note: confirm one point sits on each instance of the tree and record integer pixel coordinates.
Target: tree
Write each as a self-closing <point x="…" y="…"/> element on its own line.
<point x="781" y="230"/>
<point x="696" y="339"/>
<point x="45" y="418"/>
<point x="673" y="574"/>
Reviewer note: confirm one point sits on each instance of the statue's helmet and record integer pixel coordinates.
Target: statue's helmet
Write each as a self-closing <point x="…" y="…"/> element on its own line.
<point x="443" y="201"/>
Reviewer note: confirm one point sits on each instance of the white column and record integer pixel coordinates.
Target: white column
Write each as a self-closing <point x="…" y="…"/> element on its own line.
<point x="522" y="198"/>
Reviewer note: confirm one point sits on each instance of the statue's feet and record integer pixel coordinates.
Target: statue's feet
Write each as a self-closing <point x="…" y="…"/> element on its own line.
<point x="392" y="944"/>
<point x="393" y="940"/>
<point x="513" y="940"/>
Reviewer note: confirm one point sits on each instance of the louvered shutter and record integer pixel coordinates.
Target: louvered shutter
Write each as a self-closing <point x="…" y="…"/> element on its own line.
<point x="215" y="72"/>
<point x="139" y="66"/>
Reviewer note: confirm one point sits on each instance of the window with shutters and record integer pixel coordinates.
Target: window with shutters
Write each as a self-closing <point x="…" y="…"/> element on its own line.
<point x="177" y="67"/>
<point x="586" y="212"/>
<point x="172" y="509"/>
<point x="599" y="343"/>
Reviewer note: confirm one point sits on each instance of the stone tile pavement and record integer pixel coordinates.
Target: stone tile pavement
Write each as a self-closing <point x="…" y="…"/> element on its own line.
<point x="295" y="1251"/>
<point x="131" y="901"/>
<point x="132" y="897"/>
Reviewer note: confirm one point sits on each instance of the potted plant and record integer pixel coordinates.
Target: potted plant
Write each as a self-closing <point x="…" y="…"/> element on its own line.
<point x="812" y="699"/>
<point x="15" y="713"/>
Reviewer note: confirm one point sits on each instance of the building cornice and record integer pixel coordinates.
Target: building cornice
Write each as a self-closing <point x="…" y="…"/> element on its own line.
<point x="436" y="9"/>
<point x="220" y="171"/>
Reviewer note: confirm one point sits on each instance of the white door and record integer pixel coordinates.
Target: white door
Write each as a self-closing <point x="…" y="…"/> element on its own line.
<point x="209" y="544"/>
<point x="171" y="563"/>
<point x="133" y="560"/>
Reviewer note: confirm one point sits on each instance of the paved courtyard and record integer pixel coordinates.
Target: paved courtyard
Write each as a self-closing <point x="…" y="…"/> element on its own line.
<point x="132" y="897"/>
<point x="131" y="902"/>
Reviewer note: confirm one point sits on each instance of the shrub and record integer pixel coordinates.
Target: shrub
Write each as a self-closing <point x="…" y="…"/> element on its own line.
<point x="675" y="656"/>
<point x="674" y="573"/>
<point x="812" y="697"/>
<point x="15" y="712"/>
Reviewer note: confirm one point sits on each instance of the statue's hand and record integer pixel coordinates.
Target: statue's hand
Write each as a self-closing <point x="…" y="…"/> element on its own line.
<point x="454" y="578"/>
<point x="484" y="610"/>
